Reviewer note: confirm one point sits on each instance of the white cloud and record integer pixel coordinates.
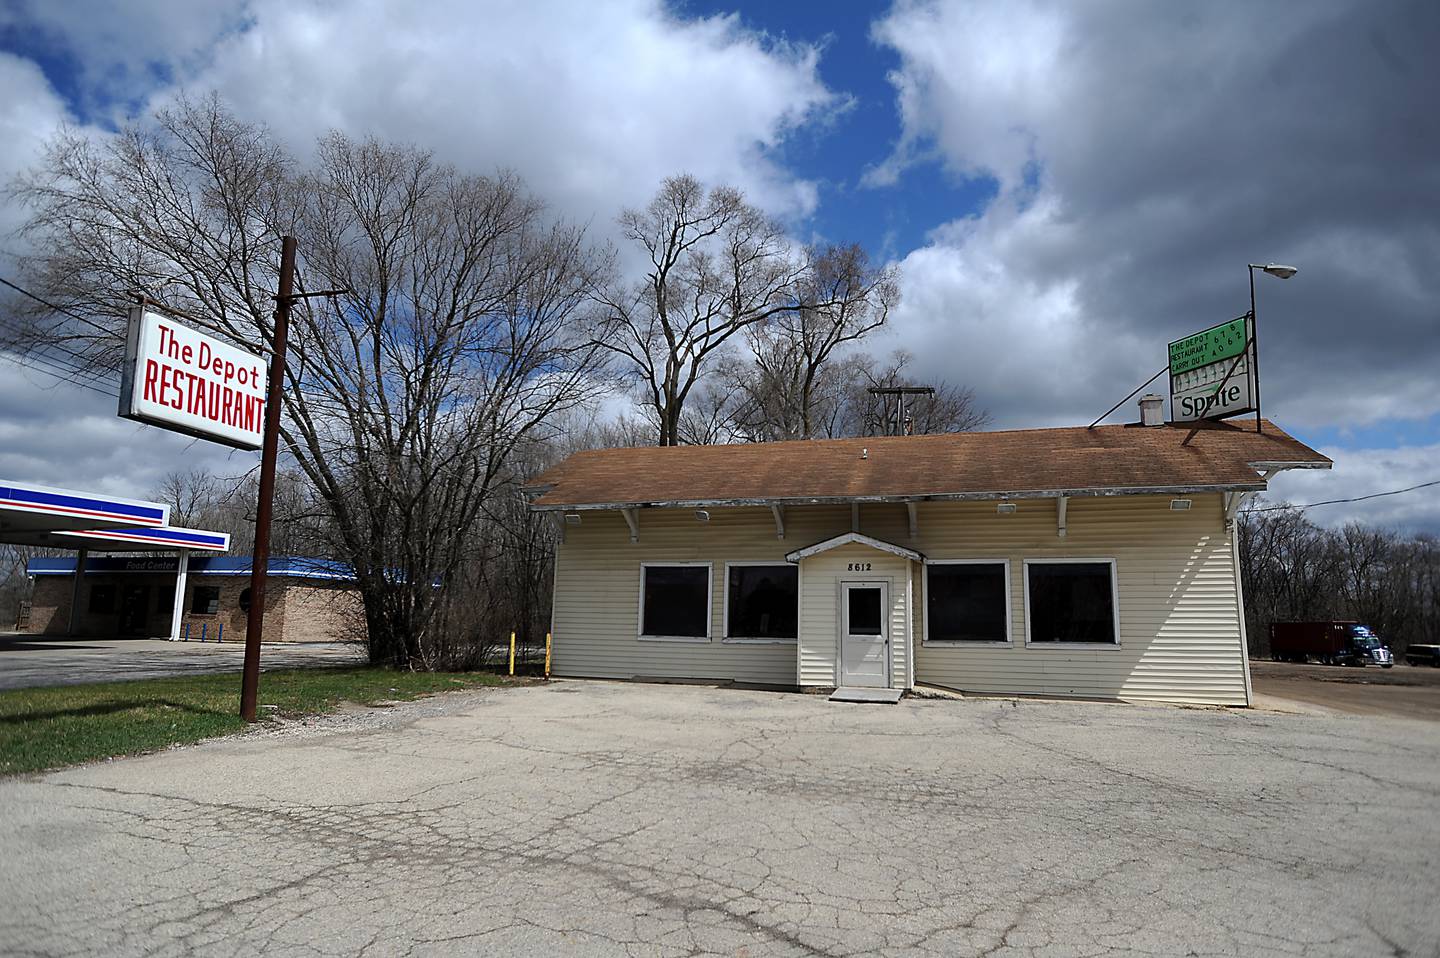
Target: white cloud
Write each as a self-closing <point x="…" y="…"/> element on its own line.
<point x="1363" y="472"/>
<point x="593" y="103"/>
<point x="30" y="113"/>
<point x="1144" y="154"/>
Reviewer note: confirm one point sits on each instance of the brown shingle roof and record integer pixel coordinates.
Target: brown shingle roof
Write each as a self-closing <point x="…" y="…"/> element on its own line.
<point x="1072" y="461"/>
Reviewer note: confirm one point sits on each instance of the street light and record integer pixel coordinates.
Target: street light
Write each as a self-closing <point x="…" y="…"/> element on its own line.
<point x="1280" y="272"/>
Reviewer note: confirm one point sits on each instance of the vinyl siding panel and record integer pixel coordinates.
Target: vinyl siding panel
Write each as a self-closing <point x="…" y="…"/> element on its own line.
<point x="1180" y="638"/>
<point x="596" y="618"/>
<point x="1180" y="632"/>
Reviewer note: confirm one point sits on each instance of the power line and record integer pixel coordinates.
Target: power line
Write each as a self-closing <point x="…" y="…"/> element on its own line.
<point x="71" y="366"/>
<point x="1333" y="502"/>
<point x="45" y="302"/>
<point x="40" y="365"/>
<point x="56" y="359"/>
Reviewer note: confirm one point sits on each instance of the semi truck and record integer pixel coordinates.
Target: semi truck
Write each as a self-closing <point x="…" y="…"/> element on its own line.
<point x="1329" y="643"/>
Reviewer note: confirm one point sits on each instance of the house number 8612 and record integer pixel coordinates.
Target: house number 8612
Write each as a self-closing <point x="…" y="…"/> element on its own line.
<point x="859" y="567"/>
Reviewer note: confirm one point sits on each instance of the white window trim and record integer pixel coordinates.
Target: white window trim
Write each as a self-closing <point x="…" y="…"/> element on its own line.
<point x="1114" y="602"/>
<point x="1007" y="642"/>
<point x="709" y="605"/>
<point x="725" y="636"/>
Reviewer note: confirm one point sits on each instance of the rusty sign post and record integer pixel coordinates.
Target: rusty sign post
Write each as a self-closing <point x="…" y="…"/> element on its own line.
<point x="260" y="558"/>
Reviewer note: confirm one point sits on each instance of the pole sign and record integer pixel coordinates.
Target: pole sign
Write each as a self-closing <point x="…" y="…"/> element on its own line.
<point x="186" y="381"/>
<point x="1199" y="367"/>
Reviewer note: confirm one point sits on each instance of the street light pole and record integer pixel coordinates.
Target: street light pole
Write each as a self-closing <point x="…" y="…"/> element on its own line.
<point x="1254" y="360"/>
<point x="1279" y="272"/>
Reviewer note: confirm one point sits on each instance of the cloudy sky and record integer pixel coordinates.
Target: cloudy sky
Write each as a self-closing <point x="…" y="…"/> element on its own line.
<point x="1065" y="187"/>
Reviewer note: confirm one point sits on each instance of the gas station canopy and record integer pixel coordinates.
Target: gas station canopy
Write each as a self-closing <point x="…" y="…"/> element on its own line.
<point x="66" y="519"/>
<point x="34" y="515"/>
<point x="25" y="507"/>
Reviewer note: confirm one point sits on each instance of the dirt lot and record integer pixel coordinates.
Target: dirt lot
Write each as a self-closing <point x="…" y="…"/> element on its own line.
<point x="1405" y="691"/>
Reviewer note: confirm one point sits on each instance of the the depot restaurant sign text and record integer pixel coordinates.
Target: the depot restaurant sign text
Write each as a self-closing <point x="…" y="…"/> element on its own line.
<point x="193" y="383"/>
<point x="1212" y="375"/>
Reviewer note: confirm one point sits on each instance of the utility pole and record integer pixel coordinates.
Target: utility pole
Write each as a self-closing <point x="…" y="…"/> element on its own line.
<point x="260" y="558"/>
<point x="285" y="297"/>
<point x="899" y="392"/>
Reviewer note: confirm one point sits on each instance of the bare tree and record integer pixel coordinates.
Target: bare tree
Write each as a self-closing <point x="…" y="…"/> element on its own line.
<point x="1295" y="571"/>
<point x="843" y="298"/>
<point x="405" y="398"/>
<point x="191" y="494"/>
<point x="717" y="267"/>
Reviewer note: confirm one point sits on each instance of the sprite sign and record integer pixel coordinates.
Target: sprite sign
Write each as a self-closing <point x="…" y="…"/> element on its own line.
<point x="1199" y="367"/>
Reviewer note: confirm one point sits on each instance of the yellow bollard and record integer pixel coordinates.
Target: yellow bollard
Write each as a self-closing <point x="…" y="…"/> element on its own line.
<point x="512" y="653"/>
<point x="547" y="655"/>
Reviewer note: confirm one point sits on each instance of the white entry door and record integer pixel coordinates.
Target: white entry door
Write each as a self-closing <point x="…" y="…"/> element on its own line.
<point x="864" y="638"/>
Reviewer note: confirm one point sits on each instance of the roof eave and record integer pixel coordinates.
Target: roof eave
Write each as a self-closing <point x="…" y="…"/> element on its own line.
<point x="1258" y="485"/>
<point x="1275" y="465"/>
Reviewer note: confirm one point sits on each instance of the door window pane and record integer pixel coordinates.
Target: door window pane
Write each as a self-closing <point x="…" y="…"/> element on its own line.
<point x="864" y="611"/>
<point x="102" y="599"/>
<point x="966" y="602"/>
<point x="1071" y="602"/>
<point x="764" y="601"/>
<point x="677" y="601"/>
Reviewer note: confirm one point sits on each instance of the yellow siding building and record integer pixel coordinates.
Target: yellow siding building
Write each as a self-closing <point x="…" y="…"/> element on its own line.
<point x="1103" y="566"/>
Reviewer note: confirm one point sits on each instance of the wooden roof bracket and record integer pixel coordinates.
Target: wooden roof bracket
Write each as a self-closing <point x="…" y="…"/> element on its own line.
<point x="912" y="511"/>
<point x="1234" y="500"/>
<point x="1061" y="504"/>
<point x="632" y="519"/>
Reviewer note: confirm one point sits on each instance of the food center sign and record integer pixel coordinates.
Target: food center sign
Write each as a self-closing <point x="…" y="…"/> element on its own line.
<point x="189" y="382"/>
<point x="1199" y="364"/>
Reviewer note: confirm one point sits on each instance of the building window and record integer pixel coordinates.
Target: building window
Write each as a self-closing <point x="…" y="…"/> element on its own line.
<point x="102" y="599"/>
<point x="762" y="602"/>
<point x="206" y="600"/>
<point x="1071" y="601"/>
<point x="675" y="601"/>
<point x="967" y="601"/>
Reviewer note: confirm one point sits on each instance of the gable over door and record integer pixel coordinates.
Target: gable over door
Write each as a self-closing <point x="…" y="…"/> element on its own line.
<point x="822" y="621"/>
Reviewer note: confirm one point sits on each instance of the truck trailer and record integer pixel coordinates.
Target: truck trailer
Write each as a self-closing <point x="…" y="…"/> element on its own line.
<point x="1329" y="643"/>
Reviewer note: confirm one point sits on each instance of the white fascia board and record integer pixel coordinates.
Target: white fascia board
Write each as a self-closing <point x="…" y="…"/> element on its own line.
<point x="1098" y="492"/>
<point x="854" y="538"/>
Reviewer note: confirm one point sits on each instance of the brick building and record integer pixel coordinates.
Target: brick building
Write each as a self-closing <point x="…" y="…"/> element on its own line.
<point x="306" y="600"/>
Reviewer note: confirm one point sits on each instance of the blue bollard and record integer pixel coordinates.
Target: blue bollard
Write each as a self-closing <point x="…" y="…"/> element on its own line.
<point x="203" y="627"/>
<point x="220" y="632"/>
<point x="187" y="631"/>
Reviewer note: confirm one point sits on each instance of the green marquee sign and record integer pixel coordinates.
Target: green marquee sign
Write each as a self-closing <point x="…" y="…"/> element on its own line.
<point x="1212" y="345"/>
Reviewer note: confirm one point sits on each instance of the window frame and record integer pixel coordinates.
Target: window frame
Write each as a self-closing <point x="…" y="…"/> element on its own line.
<point x="709" y="604"/>
<point x="194" y="594"/>
<point x="1007" y="642"/>
<point x="1114" y="602"/>
<point x="725" y="636"/>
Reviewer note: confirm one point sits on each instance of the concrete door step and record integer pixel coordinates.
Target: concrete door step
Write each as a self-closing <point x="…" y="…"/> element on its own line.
<point x="884" y="696"/>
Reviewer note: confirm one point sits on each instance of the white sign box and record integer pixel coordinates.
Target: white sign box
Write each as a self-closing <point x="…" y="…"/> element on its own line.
<point x="1197" y="393"/>
<point x="191" y="382"/>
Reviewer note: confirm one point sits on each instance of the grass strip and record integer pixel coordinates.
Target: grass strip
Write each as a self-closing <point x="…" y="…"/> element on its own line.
<point x="48" y="728"/>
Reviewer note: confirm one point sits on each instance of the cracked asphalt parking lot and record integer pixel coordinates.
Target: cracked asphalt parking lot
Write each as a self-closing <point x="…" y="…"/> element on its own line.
<point x="606" y="818"/>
